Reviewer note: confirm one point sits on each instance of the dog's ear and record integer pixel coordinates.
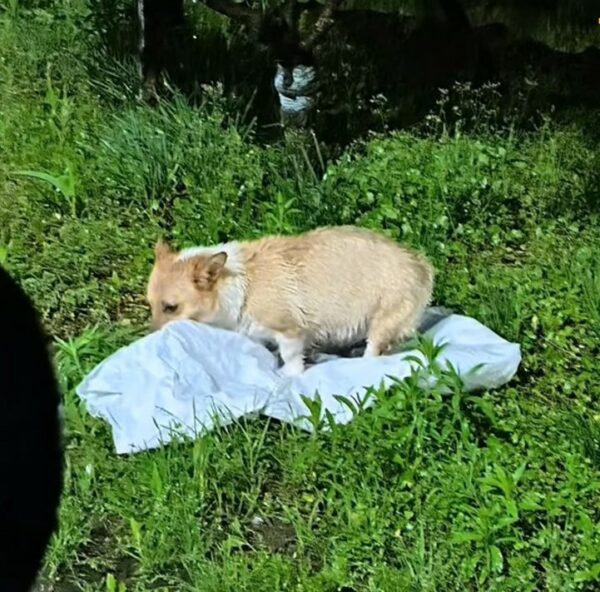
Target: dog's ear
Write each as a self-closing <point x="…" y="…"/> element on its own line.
<point x="162" y="249"/>
<point x="207" y="270"/>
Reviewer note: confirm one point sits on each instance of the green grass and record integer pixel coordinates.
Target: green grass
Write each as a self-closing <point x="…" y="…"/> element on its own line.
<point x="428" y="491"/>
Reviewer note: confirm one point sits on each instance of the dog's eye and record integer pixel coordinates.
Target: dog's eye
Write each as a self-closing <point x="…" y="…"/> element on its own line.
<point x="169" y="308"/>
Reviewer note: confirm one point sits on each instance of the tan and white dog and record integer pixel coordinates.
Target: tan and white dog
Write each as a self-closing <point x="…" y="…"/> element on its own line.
<point x="332" y="285"/>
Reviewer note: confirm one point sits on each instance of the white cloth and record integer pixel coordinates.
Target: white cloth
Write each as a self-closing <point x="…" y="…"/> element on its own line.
<point x="183" y="378"/>
<point x="296" y="95"/>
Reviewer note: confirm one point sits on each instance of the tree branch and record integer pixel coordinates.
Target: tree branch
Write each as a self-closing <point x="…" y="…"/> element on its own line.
<point x="323" y="24"/>
<point x="232" y="10"/>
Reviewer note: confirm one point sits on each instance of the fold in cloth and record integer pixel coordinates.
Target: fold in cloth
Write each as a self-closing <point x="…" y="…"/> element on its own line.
<point x="188" y="376"/>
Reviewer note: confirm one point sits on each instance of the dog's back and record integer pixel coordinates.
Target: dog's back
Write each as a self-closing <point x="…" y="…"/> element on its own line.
<point x="334" y="285"/>
<point x="333" y="282"/>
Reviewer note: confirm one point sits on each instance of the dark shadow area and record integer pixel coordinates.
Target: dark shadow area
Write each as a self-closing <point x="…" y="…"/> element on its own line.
<point x="377" y="71"/>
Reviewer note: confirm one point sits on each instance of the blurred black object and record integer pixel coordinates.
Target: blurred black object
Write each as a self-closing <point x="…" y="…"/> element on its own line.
<point x="30" y="441"/>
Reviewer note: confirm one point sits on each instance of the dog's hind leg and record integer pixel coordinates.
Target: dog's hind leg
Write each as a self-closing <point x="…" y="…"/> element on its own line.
<point x="390" y="325"/>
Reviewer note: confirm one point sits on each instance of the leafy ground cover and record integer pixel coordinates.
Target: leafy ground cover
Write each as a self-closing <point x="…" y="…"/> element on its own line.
<point x="429" y="491"/>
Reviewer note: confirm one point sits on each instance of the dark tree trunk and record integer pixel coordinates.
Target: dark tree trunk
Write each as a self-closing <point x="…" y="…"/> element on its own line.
<point x="159" y="21"/>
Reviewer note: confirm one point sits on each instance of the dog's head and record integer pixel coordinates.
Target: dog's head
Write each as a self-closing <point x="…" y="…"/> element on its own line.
<point x="184" y="287"/>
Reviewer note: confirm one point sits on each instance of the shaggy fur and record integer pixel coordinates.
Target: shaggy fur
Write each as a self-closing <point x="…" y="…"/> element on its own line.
<point x="329" y="286"/>
<point x="30" y="449"/>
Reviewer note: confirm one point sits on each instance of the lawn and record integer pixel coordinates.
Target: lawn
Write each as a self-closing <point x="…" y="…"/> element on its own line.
<point x="427" y="492"/>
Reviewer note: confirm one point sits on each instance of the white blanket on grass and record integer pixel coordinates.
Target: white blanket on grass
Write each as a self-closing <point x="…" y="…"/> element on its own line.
<point x="186" y="377"/>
